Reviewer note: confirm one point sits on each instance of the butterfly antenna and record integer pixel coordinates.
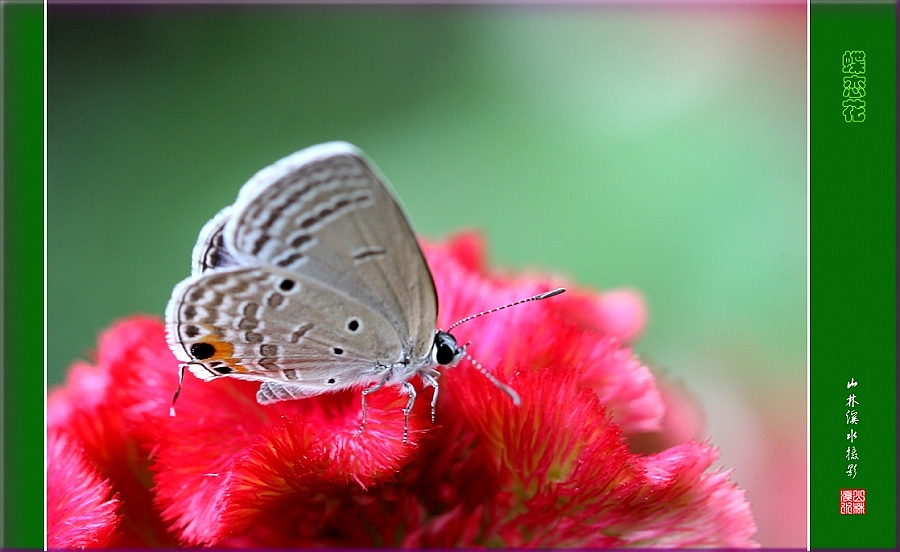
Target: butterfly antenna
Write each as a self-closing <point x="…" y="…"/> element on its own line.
<point x="177" y="391"/>
<point x="538" y="297"/>
<point x="493" y="379"/>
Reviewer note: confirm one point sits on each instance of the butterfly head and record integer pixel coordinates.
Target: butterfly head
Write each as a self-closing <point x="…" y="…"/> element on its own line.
<point x="446" y="351"/>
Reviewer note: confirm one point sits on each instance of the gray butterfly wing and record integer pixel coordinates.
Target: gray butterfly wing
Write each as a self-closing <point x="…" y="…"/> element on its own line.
<point x="209" y="251"/>
<point x="326" y="213"/>
<point x="285" y="329"/>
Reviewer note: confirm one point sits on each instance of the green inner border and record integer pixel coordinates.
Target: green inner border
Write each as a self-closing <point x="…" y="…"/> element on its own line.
<point x="853" y="299"/>
<point x="23" y="278"/>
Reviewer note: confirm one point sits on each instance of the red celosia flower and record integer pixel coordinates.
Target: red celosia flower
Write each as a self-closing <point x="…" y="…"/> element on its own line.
<point x="80" y="512"/>
<point x="553" y="472"/>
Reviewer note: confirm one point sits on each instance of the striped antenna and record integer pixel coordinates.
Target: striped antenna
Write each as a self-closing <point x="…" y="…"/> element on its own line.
<point x="538" y="297"/>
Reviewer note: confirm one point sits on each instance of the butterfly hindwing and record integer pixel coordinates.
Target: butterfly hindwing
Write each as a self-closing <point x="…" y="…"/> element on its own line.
<point x="272" y="391"/>
<point x="270" y="324"/>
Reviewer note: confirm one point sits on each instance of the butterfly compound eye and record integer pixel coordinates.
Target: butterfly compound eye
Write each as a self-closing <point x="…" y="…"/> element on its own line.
<point x="444" y="354"/>
<point x="445" y="349"/>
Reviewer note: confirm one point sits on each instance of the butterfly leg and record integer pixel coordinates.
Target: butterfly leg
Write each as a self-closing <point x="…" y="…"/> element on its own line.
<point x="432" y="381"/>
<point x="365" y="407"/>
<point x="411" y="390"/>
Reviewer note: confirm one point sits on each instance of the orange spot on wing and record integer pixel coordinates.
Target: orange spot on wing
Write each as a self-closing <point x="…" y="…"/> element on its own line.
<point x="224" y="350"/>
<point x="224" y="353"/>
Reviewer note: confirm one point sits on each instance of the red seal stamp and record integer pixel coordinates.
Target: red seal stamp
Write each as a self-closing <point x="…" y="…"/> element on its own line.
<point x="853" y="501"/>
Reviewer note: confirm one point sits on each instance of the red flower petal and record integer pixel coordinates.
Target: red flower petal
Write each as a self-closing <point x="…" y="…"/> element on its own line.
<point x="265" y="457"/>
<point x="618" y="313"/>
<point x="468" y="249"/>
<point x="89" y="409"/>
<point x="683" y="421"/>
<point x="708" y="509"/>
<point x="568" y="479"/>
<point x="80" y="512"/>
<point x="85" y="389"/>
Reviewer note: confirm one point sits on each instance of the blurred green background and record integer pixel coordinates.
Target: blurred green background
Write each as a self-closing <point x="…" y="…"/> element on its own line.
<point x="662" y="149"/>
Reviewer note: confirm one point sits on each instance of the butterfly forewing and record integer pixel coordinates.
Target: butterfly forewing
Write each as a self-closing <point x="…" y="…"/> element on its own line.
<point x="267" y="323"/>
<point x="327" y="214"/>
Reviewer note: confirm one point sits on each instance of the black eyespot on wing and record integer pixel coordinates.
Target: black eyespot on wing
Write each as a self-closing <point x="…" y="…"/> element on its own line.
<point x="353" y="325"/>
<point x="223" y="370"/>
<point x="338" y="351"/>
<point x="202" y="351"/>
<point x="286" y="285"/>
<point x="331" y="381"/>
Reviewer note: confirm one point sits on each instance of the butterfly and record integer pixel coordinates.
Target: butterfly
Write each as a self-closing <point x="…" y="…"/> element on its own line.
<point x="314" y="282"/>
